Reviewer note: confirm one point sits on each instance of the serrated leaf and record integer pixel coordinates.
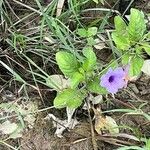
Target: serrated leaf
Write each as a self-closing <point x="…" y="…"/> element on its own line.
<point x="62" y="98"/>
<point x="91" y="41"/>
<point x="75" y="102"/>
<point x="58" y="82"/>
<point x="122" y="41"/>
<point x="67" y="63"/>
<point x="82" y="32"/>
<point x="146" y="47"/>
<point x="90" y="60"/>
<point x="136" y="64"/>
<point x="138" y="49"/>
<point x="91" y="31"/>
<point x="71" y="98"/>
<point x="94" y="87"/>
<point x="76" y="79"/>
<point x="120" y="25"/>
<point x="125" y="58"/>
<point x="137" y="25"/>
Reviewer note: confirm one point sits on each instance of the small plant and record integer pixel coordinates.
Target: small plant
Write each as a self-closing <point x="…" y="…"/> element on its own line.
<point x="131" y="40"/>
<point x="83" y="78"/>
<point x="81" y="69"/>
<point x="81" y="72"/>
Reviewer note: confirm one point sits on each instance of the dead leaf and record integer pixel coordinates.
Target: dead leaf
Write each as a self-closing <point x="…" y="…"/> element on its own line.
<point x="100" y="123"/>
<point x="105" y="123"/>
<point x="99" y="44"/>
<point x="58" y="82"/>
<point x="50" y="40"/>
<point x="60" y="5"/>
<point x="111" y="125"/>
<point x="70" y="112"/>
<point x="146" y="67"/>
<point x="30" y="119"/>
<point x="97" y="100"/>
<point x="24" y="114"/>
<point x="17" y="133"/>
<point x="7" y="127"/>
<point x="94" y="100"/>
<point x="61" y="125"/>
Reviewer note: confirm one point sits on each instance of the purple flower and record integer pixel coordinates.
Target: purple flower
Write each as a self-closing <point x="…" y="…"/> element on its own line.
<point x="113" y="80"/>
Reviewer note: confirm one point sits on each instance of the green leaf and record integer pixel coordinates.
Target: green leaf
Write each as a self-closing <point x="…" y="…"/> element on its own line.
<point x="147" y="143"/>
<point x="90" y="60"/>
<point x="94" y="87"/>
<point x="138" y="49"/>
<point x="63" y="97"/>
<point x="136" y="64"/>
<point x="87" y="33"/>
<point x="76" y="79"/>
<point x="82" y="32"/>
<point x="67" y="63"/>
<point x="125" y="58"/>
<point x="137" y="25"/>
<point x="71" y="98"/>
<point x="120" y="25"/>
<point x="121" y="40"/>
<point x="91" y="41"/>
<point x="146" y="47"/>
<point x="92" y="31"/>
<point x="75" y="102"/>
<point x="120" y="35"/>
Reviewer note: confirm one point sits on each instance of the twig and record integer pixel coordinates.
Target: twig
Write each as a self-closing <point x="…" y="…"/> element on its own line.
<point x="92" y="129"/>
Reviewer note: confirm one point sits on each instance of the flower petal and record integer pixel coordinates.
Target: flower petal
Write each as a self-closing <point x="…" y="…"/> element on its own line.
<point x="104" y="81"/>
<point x="119" y="72"/>
<point x="120" y="83"/>
<point x="112" y="89"/>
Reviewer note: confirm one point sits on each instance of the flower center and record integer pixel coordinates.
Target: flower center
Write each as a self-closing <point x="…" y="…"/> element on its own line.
<point x="111" y="79"/>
